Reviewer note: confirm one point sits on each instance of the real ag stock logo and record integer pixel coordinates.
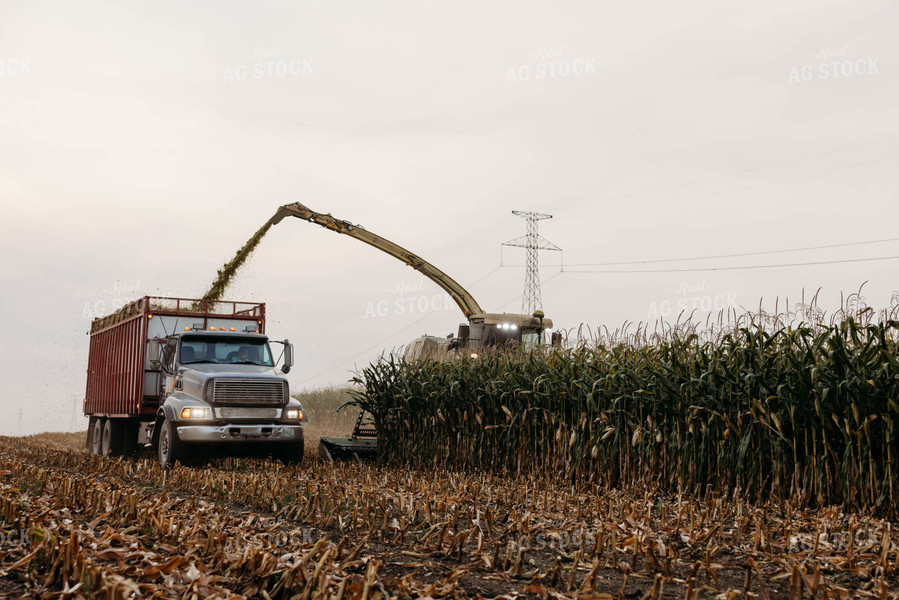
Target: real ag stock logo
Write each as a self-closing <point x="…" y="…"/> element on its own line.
<point x="408" y="298"/>
<point x="15" y="67"/>
<point x="111" y="300"/>
<point x="841" y="62"/>
<point x="15" y="537"/>
<point x="269" y="63"/>
<point x="690" y="297"/>
<point x="551" y="63"/>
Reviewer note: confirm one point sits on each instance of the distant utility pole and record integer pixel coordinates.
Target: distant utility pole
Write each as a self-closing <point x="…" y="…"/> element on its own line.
<point x="20" y="421"/>
<point x="533" y="242"/>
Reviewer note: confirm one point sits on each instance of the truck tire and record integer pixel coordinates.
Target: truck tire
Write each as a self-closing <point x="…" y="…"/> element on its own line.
<point x="289" y="453"/>
<point x="96" y="435"/>
<point x="90" y="433"/>
<point x="130" y="429"/>
<point x="112" y="444"/>
<point x="170" y="449"/>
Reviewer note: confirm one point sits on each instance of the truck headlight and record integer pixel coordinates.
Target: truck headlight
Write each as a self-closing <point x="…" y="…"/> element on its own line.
<point x="195" y="413"/>
<point x="293" y="414"/>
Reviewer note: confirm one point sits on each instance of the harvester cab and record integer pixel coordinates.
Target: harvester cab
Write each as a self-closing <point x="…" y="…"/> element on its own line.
<point x="496" y="331"/>
<point x="505" y="329"/>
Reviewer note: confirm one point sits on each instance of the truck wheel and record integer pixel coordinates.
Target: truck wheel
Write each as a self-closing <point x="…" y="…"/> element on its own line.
<point x="170" y="447"/>
<point x="96" y="435"/>
<point x="129" y="437"/>
<point x="112" y="438"/>
<point x="288" y="453"/>
<point x="90" y="431"/>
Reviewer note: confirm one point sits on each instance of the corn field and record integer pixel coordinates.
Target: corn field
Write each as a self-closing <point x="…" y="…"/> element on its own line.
<point x="769" y="405"/>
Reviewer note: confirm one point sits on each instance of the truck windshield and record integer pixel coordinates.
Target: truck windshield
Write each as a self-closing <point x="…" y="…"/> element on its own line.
<point x="220" y="350"/>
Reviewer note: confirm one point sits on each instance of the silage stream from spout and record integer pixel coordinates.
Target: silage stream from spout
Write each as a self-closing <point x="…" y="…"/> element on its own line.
<point x="229" y="270"/>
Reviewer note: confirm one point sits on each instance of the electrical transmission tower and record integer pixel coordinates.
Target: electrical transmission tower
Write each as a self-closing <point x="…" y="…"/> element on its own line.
<point x="533" y="242"/>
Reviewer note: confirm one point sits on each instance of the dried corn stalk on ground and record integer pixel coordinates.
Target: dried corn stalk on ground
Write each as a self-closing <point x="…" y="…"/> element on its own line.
<point x="76" y="525"/>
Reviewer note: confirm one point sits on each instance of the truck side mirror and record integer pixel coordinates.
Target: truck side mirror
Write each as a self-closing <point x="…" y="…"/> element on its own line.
<point x="164" y="359"/>
<point x="288" y="357"/>
<point x="464" y="332"/>
<point x="557" y="339"/>
<point x="153" y="351"/>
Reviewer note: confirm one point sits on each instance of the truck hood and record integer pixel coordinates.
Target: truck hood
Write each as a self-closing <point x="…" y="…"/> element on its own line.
<point x="193" y="377"/>
<point x="215" y="370"/>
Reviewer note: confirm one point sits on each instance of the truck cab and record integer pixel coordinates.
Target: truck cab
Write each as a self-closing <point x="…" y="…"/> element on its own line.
<point x="223" y="387"/>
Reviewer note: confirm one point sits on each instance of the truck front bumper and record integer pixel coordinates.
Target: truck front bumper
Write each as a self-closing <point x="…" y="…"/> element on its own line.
<point x="269" y="432"/>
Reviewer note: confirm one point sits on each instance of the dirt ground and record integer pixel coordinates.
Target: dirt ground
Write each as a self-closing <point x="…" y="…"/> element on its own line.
<point x="76" y="525"/>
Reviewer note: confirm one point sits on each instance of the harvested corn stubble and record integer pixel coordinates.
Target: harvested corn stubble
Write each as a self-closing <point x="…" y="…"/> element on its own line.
<point x="87" y="526"/>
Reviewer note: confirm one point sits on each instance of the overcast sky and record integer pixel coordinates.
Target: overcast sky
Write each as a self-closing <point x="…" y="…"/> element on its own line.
<point x="143" y="143"/>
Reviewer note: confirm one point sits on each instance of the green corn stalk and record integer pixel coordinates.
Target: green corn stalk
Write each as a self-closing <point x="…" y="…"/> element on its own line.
<point x="803" y="413"/>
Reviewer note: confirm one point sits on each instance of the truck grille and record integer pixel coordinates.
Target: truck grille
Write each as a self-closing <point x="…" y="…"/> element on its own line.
<point x="252" y="392"/>
<point x="239" y="412"/>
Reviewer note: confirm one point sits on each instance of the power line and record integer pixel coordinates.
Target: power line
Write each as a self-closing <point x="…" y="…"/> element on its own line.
<point x="717" y="177"/>
<point x="757" y="253"/>
<point x="553" y="276"/>
<point x="735" y="268"/>
<point x="545" y="281"/>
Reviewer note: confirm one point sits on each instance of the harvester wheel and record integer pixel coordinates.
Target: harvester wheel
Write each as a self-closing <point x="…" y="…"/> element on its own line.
<point x="170" y="447"/>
